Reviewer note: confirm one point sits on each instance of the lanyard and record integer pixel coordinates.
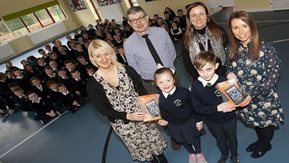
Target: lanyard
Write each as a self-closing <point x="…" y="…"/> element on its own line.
<point x="204" y="41"/>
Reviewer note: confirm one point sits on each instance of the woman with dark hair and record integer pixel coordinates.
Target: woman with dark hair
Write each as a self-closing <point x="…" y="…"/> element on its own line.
<point x="256" y="65"/>
<point x="203" y="34"/>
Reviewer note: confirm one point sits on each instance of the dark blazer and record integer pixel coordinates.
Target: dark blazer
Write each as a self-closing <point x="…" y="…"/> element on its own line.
<point x="98" y="97"/>
<point x="79" y="86"/>
<point x="40" y="93"/>
<point x="67" y="100"/>
<point x="22" y="103"/>
<point x="120" y="59"/>
<point x="43" y="107"/>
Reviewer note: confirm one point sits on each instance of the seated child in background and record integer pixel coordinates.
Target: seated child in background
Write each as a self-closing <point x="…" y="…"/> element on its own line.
<point x="90" y="70"/>
<point x="218" y="115"/>
<point x="6" y="106"/>
<point x="79" y="82"/>
<point x="64" y="77"/>
<point x="49" y="74"/>
<point x="70" y="65"/>
<point x="38" y="87"/>
<point x="43" y="108"/>
<point x="71" y="100"/>
<point x="54" y="95"/>
<point x="121" y="55"/>
<point x="20" y="100"/>
<point x="21" y="79"/>
<point x="184" y="125"/>
<point x="82" y="64"/>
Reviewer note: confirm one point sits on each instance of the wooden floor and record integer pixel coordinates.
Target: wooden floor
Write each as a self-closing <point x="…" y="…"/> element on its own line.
<point x="80" y="137"/>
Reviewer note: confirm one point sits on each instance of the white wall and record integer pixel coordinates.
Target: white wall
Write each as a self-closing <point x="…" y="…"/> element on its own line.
<point x="35" y="38"/>
<point x="6" y="51"/>
<point x="44" y="34"/>
<point x="112" y="11"/>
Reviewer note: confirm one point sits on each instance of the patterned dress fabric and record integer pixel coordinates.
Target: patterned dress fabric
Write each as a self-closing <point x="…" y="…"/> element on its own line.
<point x="258" y="78"/>
<point x="142" y="139"/>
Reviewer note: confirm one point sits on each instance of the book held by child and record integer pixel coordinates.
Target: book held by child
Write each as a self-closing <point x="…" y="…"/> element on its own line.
<point x="149" y="104"/>
<point x="231" y="92"/>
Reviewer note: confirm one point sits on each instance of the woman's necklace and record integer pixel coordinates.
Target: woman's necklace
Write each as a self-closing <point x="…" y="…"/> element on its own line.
<point x="203" y="39"/>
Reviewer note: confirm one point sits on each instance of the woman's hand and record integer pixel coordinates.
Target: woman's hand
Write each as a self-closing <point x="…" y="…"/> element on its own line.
<point x="162" y="122"/>
<point x="137" y="116"/>
<point x="231" y="76"/>
<point x="246" y="101"/>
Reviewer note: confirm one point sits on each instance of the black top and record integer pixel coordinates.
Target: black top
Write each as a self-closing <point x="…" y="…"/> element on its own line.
<point x="98" y="97"/>
<point x="22" y="103"/>
<point x="69" y="98"/>
<point x="43" y="107"/>
<point x="187" y="60"/>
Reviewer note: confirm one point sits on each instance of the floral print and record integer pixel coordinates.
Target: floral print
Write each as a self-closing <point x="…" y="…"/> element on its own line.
<point x="142" y="139"/>
<point x="258" y="79"/>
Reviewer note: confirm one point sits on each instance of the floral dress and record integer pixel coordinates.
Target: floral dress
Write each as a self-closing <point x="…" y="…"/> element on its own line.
<point x="258" y="79"/>
<point x="142" y="139"/>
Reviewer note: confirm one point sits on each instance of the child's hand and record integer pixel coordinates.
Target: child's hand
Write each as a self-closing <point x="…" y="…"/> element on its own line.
<point x="162" y="122"/>
<point x="78" y="93"/>
<point x="231" y="75"/>
<point x="199" y="126"/>
<point x="51" y="113"/>
<point x="229" y="109"/>
<point x="75" y="103"/>
<point x="225" y="107"/>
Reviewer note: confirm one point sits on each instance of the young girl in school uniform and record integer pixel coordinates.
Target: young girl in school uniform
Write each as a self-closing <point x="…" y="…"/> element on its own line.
<point x="184" y="125"/>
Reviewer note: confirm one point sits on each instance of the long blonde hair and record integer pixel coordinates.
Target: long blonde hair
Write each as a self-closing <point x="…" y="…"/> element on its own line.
<point x="102" y="47"/>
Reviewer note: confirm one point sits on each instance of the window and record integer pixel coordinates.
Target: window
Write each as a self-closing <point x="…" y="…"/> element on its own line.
<point x="56" y="13"/>
<point x="5" y="34"/>
<point x="31" y="22"/>
<point x="17" y="27"/>
<point x="44" y="17"/>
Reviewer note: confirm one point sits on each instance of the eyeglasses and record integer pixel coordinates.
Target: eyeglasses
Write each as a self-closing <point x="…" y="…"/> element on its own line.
<point x="134" y="21"/>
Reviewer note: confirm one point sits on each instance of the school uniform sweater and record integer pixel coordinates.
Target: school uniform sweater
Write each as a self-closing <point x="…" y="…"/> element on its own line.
<point x="177" y="108"/>
<point x="206" y="99"/>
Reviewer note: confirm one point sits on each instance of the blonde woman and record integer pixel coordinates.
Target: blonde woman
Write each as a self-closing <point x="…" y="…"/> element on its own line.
<point x="113" y="90"/>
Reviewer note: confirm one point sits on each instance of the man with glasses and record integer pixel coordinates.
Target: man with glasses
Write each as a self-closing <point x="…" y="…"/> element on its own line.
<point x="139" y="54"/>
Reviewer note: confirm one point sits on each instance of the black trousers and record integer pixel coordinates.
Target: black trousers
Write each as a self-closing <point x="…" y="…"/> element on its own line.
<point x="196" y="144"/>
<point x="264" y="135"/>
<point x="226" y="137"/>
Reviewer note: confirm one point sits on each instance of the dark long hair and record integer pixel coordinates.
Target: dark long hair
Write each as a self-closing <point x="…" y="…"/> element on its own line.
<point x="254" y="45"/>
<point x="214" y="28"/>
